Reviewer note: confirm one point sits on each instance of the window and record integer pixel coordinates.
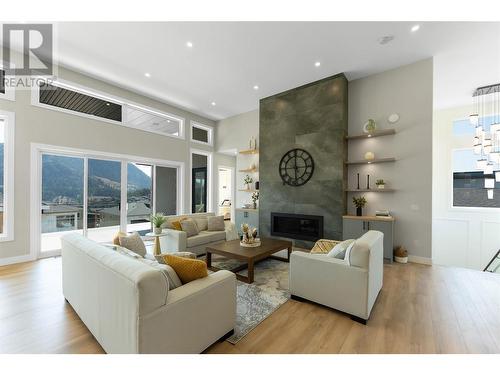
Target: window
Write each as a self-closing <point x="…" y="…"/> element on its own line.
<point x="80" y="101"/>
<point x="201" y="133"/>
<point x="469" y="183"/>
<point x="87" y="194"/>
<point x="6" y="176"/>
<point x="201" y="180"/>
<point x="6" y="92"/>
<point x="75" y="101"/>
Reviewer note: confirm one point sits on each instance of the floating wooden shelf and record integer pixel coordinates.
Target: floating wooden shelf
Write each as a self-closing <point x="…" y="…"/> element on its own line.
<point x="369" y="218"/>
<point x="249" y="170"/>
<point x="249" y="152"/>
<point x="379" y="133"/>
<point x="374" y="190"/>
<point x="247" y="209"/>
<point x="248" y="190"/>
<point x="374" y="161"/>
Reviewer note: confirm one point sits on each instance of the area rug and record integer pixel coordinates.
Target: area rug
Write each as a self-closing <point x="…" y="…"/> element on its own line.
<point x="256" y="301"/>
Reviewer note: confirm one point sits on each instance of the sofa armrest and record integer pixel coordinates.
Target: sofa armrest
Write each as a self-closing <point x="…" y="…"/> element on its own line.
<point x="195" y="316"/>
<point x="175" y="240"/>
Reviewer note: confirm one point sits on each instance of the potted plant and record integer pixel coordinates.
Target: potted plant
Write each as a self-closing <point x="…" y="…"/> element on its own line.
<point x="255" y="198"/>
<point x="380" y="184"/>
<point x="158" y="220"/>
<point x="247" y="181"/>
<point x="359" y="202"/>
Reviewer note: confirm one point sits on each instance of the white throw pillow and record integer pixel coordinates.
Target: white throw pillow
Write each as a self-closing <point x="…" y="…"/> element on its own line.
<point x="216" y="223"/>
<point x="189" y="226"/>
<point x="134" y="243"/>
<point x="342" y="250"/>
<point x="202" y="223"/>
<point x="347" y="258"/>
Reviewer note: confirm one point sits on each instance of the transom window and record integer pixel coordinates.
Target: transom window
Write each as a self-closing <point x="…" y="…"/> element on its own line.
<point x="201" y="133"/>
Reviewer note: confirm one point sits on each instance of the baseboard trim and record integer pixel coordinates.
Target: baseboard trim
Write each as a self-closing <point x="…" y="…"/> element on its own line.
<point x="18" y="259"/>
<point x="419" y="260"/>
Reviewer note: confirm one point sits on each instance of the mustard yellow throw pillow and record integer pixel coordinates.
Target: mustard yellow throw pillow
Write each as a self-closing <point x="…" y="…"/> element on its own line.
<point x="116" y="239"/>
<point x="187" y="269"/>
<point x="323" y="246"/>
<point x="176" y="224"/>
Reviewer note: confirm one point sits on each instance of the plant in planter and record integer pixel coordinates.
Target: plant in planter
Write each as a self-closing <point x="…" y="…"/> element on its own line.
<point x="380" y="184"/>
<point x="158" y="219"/>
<point x="247" y="181"/>
<point x="359" y="202"/>
<point x="255" y="198"/>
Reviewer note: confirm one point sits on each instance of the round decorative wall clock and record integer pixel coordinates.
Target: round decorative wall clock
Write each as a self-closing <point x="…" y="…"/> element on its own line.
<point x="296" y="167"/>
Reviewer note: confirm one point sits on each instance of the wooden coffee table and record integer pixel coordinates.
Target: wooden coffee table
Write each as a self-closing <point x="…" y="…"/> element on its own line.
<point x="250" y="255"/>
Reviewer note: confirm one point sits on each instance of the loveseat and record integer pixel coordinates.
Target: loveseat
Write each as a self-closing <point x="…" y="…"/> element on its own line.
<point x="176" y="240"/>
<point x="130" y="306"/>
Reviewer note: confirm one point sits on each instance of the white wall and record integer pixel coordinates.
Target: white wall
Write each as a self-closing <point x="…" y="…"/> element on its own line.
<point x="407" y="91"/>
<point x="40" y="125"/>
<point x="462" y="237"/>
<point x="233" y="134"/>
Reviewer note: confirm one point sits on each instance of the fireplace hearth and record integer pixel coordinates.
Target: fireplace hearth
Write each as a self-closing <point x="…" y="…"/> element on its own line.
<point x="297" y="226"/>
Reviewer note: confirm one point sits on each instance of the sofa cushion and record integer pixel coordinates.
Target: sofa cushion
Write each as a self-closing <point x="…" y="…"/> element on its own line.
<point x="189" y="226"/>
<point x="216" y="223"/>
<point x="134" y="243"/>
<point x="201" y="222"/>
<point x="187" y="269"/>
<point x="205" y="237"/>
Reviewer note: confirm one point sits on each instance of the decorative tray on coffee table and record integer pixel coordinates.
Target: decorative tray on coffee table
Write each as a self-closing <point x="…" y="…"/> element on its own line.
<point x="254" y="244"/>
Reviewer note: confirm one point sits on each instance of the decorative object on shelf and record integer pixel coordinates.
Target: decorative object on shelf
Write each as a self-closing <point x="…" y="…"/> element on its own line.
<point x="368" y="182"/>
<point x="393" y="118"/>
<point x="370" y="126"/>
<point x="359" y="203"/>
<point x="400" y="254"/>
<point x="358" y="182"/>
<point x="255" y="198"/>
<point x="257" y="185"/>
<point x="380" y="184"/>
<point x="296" y="167"/>
<point x="486" y="141"/>
<point x="158" y="219"/>
<point x="247" y="181"/>
<point x="253" y="143"/>
<point x="249" y="237"/>
<point x="384" y="213"/>
<point x="369" y="156"/>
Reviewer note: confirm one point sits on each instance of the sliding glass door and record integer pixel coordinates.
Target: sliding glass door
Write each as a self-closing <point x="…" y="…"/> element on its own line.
<point x="103" y="199"/>
<point x="88" y="195"/>
<point x="62" y="199"/>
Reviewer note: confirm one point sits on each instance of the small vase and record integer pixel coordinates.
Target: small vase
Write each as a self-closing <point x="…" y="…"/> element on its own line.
<point x="359" y="211"/>
<point x="254" y="205"/>
<point x="248" y="187"/>
<point x="381" y="186"/>
<point x="157" y="230"/>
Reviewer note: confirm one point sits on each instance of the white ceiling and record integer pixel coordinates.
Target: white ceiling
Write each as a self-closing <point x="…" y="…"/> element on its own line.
<point x="228" y="58"/>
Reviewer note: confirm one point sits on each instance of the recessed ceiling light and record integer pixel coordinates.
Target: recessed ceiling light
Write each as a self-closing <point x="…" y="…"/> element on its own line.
<point x="385" y="39"/>
<point x="415" y="28"/>
<point x="108" y="104"/>
<point x="189" y="44"/>
<point x="317" y="63"/>
<point x="213" y="104"/>
<point x="256" y="87"/>
<point x="148" y="75"/>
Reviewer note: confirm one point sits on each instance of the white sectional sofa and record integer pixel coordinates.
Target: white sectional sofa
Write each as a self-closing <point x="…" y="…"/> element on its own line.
<point x="351" y="288"/>
<point x="176" y="240"/>
<point x="128" y="307"/>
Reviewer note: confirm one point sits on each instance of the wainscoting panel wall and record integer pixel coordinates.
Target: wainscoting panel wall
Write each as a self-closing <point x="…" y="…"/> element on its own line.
<point x="314" y="118"/>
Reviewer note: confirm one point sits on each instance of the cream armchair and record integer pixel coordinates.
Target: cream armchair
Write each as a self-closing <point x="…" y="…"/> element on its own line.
<point x="351" y="288"/>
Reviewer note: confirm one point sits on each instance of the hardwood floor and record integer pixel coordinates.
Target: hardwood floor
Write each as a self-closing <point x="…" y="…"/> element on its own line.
<point x="421" y="309"/>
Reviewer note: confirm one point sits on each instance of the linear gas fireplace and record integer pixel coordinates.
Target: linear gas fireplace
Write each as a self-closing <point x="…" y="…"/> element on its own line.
<point x="297" y="226"/>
